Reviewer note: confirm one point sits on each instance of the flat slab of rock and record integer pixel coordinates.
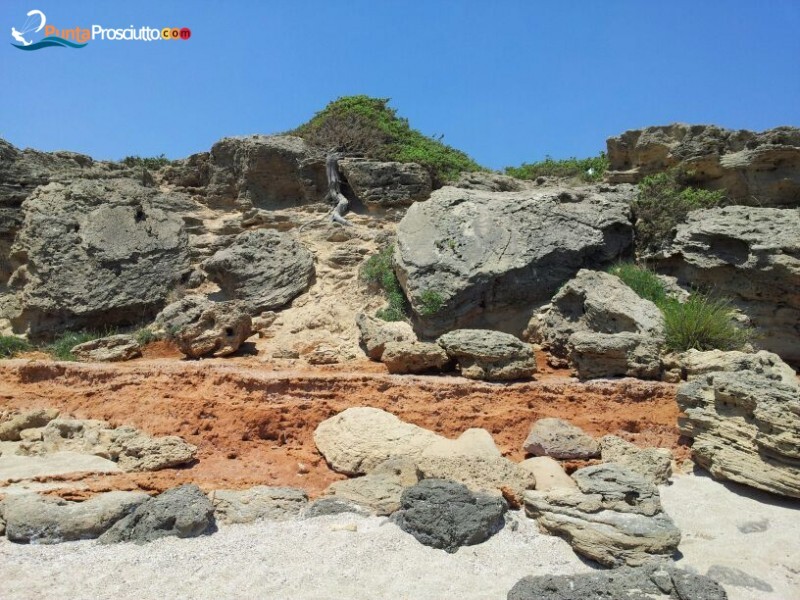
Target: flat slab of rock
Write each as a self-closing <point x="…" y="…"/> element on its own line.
<point x="650" y="582"/>
<point x="559" y="439"/>
<point x="489" y="355"/>
<point x="114" y="348"/>
<point x="446" y="515"/>
<point x="258" y="503"/>
<point x="35" y="519"/>
<point x="182" y="512"/>
<point x="746" y="428"/>
<point x="14" y="466"/>
<point x="695" y="364"/>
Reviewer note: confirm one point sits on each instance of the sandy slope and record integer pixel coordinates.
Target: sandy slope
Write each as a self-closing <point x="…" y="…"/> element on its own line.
<point x="318" y="559"/>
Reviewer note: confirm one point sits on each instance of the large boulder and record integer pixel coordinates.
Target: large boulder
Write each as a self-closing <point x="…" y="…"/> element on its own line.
<point x="95" y="253"/>
<point x="381" y="489"/>
<point x="200" y="327"/>
<point x="614" y="518"/>
<point x="375" y="334"/>
<point x="696" y="363"/>
<point x="258" y="503"/>
<point x="751" y="255"/>
<point x="559" y="439"/>
<point x="655" y="581"/>
<point x="601" y="327"/>
<point x="386" y="184"/>
<point x="493" y="256"/>
<point x="746" y="428"/>
<point x="752" y="168"/>
<point x="654" y="464"/>
<point x="446" y="515"/>
<point x="489" y="355"/>
<point x="264" y="268"/>
<point x="413" y="357"/>
<point x="182" y="512"/>
<point x="113" y="348"/>
<point x="31" y="518"/>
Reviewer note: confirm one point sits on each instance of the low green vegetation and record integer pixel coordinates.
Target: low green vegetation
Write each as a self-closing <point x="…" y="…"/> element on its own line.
<point x="10" y="346"/>
<point x="61" y="347"/>
<point x="145" y="336"/>
<point x="587" y="169"/>
<point x="431" y="302"/>
<point x="367" y="126"/>
<point x="378" y="271"/>
<point x="664" y="201"/>
<point x="702" y="322"/>
<point x="151" y="162"/>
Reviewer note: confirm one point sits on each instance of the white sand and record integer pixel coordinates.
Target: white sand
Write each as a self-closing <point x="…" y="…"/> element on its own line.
<point x="315" y="560"/>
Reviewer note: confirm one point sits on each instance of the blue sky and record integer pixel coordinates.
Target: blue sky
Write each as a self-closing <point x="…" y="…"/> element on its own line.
<point x="506" y="81"/>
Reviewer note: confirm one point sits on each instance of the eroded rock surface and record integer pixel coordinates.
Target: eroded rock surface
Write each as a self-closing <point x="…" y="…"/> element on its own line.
<point x="387" y="184"/>
<point x="489" y="355"/>
<point x="113" y="348"/>
<point x="258" y="503"/>
<point x="559" y="439"/>
<point x="375" y="334"/>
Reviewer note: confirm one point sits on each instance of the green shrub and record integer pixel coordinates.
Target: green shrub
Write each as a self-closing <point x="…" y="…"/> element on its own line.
<point x="10" y="346"/>
<point x="570" y="167"/>
<point x="379" y="271"/>
<point x="431" y="303"/>
<point x="702" y="323"/>
<point x="641" y="280"/>
<point x="151" y="162"/>
<point x="664" y="200"/>
<point x="367" y="126"/>
<point x="61" y="347"/>
<point x="145" y="336"/>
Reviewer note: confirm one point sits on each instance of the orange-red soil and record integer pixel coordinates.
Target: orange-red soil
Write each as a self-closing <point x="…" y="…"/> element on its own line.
<point x="253" y="422"/>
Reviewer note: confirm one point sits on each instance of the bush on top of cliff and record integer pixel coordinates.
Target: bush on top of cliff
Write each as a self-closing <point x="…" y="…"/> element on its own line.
<point x="367" y="126"/>
<point x="664" y="200"/>
<point x="586" y="169"/>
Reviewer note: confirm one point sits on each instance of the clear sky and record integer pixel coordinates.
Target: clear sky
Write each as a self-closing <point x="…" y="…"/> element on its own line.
<point x="506" y="81"/>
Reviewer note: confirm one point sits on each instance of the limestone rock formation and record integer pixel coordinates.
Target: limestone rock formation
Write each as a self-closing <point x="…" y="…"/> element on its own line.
<point x="386" y="184"/>
<point x="200" y="327"/>
<point x="375" y="334"/>
<point x="491" y="182"/>
<point x="695" y="364"/>
<point x="548" y="474"/>
<point x="11" y="426"/>
<point x="493" y="256"/>
<point x="113" y="348"/>
<point x="751" y="255"/>
<point x="444" y="514"/>
<point x="745" y="428"/>
<point x="655" y="581"/>
<point x="31" y="518"/>
<point x="654" y="464"/>
<point x="559" y="439"/>
<point x="263" y="268"/>
<point x="616" y="518"/>
<point x="489" y="355"/>
<point x="601" y="327"/>
<point x="95" y="253"/>
<point x="182" y="512"/>
<point x="753" y="168"/>
<point x="258" y="503"/>
<point x="381" y="489"/>
<point x="413" y="357"/>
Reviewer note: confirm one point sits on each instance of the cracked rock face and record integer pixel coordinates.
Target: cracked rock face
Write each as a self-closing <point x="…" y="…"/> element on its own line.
<point x="745" y="428"/>
<point x="493" y="255"/>
<point x="387" y="184"/>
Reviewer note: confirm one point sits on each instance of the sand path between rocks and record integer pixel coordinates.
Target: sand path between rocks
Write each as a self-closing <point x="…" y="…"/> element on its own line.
<point x="754" y="538"/>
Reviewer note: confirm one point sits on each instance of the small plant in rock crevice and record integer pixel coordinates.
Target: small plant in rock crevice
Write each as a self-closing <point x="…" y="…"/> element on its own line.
<point x="430" y="303"/>
<point x="378" y="271"/>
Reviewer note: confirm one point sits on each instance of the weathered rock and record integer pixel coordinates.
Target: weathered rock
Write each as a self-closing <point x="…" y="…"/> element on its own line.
<point x="657" y="581"/>
<point x="654" y="464"/>
<point x="751" y="255"/>
<point x="332" y="505"/>
<point x="475" y="461"/>
<point x="358" y="439"/>
<point x="113" y="348"/>
<point x="20" y="467"/>
<point x="490" y="182"/>
<point x="31" y="518"/>
<point x="386" y="184"/>
<point x="381" y="489"/>
<point x="258" y="503"/>
<point x="265" y="269"/>
<point x="413" y="357"/>
<point x="615" y="518"/>
<point x="200" y="327"/>
<point x="745" y="428"/>
<point x="753" y="168"/>
<point x="548" y="473"/>
<point x="443" y="514"/>
<point x="261" y="171"/>
<point x="95" y="253"/>
<point x="559" y="439"/>
<point x="182" y="512"/>
<point x="602" y="327"/>
<point x="11" y="428"/>
<point x="494" y="256"/>
<point x="696" y="364"/>
<point x="489" y="355"/>
<point x="375" y="334"/>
